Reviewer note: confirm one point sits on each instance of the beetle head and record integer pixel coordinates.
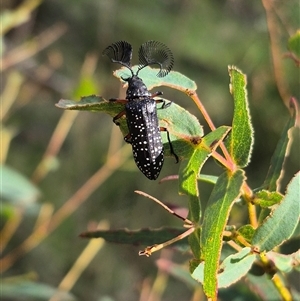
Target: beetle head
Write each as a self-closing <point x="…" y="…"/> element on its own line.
<point x="136" y="88"/>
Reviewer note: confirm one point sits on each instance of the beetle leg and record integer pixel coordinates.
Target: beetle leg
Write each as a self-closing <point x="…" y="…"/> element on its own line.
<point x="127" y="138"/>
<point x="118" y="116"/>
<point x="118" y="100"/>
<point x="164" y="103"/>
<point x="163" y="129"/>
<point x="158" y="93"/>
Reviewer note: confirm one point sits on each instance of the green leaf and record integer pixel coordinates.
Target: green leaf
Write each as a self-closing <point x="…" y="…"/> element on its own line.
<point x="177" y="271"/>
<point x="173" y="80"/>
<point x="273" y="178"/>
<point x="294" y="43"/>
<point x="265" y="198"/>
<point x="29" y="290"/>
<point x="184" y="128"/>
<point x="91" y="103"/>
<point x="232" y="269"/>
<point x="15" y="188"/>
<point x="225" y="192"/>
<point x="247" y="232"/>
<point x="240" y="142"/>
<point x="138" y="237"/>
<point x="282" y="222"/>
<point x="208" y="179"/>
<point x="190" y="169"/>
<point x="263" y="287"/>
<point x="296" y="233"/>
<point x="284" y="263"/>
<point x="194" y="242"/>
<point x="95" y="103"/>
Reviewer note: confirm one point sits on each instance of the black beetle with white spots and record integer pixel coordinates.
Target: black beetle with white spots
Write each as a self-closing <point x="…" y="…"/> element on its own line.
<point x="140" y="105"/>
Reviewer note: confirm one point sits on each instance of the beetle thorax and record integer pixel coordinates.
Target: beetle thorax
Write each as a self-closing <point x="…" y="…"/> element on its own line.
<point x="136" y="88"/>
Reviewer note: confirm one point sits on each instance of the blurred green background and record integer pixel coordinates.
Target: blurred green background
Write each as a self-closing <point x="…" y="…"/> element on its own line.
<point x="52" y="50"/>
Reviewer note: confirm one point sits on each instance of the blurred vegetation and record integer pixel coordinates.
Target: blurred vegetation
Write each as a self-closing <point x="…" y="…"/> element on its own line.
<point x="80" y="172"/>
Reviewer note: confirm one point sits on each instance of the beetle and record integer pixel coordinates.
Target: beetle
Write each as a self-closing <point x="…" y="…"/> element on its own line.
<point x="140" y="105"/>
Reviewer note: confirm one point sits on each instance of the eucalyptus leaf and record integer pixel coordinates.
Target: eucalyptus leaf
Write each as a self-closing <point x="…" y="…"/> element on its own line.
<point x="16" y="188"/>
<point x="265" y="198"/>
<point x="190" y="169"/>
<point x="284" y="263"/>
<point x="208" y="179"/>
<point x="247" y="232"/>
<point x="282" y="222"/>
<point x="177" y="271"/>
<point x="139" y="237"/>
<point x="263" y="287"/>
<point x="275" y="171"/>
<point x="173" y="80"/>
<point x="226" y="191"/>
<point x="232" y="269"/>
<point x="33" y="291"/>
<point x="240" y="141"/>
